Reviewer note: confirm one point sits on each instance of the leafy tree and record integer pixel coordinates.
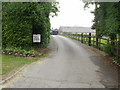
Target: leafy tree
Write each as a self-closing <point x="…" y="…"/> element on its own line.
<point x="106" y="21"/>
<point x="22" y="19"/>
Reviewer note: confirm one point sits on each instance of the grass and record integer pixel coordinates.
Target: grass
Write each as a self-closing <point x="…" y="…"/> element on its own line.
<point x="10" y="63"/>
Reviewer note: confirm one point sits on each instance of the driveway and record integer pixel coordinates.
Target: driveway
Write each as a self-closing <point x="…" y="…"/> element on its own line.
<point x="69" y="66"/>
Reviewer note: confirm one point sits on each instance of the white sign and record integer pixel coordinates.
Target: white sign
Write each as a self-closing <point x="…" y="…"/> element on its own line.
<point x="36" y="38"/>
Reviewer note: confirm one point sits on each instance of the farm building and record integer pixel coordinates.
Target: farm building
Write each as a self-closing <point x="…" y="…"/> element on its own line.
<point x="74" y="30"/>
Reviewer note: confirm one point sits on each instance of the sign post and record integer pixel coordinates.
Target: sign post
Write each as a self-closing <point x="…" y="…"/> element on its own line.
<point x="36" y="38"/>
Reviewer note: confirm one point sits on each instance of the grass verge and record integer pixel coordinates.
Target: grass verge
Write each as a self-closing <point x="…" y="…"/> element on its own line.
<point x="12" y="63"/>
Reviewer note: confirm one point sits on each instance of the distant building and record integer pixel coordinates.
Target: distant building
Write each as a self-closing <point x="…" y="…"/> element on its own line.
<point x="76" y="29"/>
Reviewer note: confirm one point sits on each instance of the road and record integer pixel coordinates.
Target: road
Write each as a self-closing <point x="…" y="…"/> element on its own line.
<point x="70" y="66"/>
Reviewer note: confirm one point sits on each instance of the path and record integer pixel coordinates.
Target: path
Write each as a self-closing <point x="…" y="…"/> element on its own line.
<point x="71" y="66"/>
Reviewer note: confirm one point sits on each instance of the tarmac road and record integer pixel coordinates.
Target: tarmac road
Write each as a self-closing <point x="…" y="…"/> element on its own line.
<point x="70" y="66"/>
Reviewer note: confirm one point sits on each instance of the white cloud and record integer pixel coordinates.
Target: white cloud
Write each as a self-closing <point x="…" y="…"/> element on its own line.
<point x="72" y="13"/>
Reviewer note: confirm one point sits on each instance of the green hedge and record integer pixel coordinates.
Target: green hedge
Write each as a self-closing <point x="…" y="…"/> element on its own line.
<point x="21" y="19"/>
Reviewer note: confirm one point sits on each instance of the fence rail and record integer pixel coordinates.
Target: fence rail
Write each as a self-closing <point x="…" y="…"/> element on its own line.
<point x="96" y="42"/>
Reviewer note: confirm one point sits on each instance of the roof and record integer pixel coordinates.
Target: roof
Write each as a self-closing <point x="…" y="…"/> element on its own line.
<point x="76" y="29"/>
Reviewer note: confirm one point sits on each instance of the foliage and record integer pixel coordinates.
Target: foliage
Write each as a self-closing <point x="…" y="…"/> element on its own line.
<point x="109" y="49"/>
<point x="107" y="22"/>
<point x="22" y="19"/>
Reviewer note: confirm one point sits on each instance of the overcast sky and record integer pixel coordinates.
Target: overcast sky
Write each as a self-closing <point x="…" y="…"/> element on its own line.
<point x="72" y="13"/>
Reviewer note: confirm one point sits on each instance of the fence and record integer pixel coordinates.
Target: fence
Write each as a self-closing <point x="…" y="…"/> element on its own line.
<point x="100" y="43"/>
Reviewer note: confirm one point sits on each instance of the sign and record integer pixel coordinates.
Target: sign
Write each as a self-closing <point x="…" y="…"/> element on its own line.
<point x="36" y="38"/>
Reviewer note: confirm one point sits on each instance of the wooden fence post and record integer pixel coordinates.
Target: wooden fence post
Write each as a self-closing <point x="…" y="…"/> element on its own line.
<point x="85" y="38"/>
<point x="97" y="43"/>
<point x="100" y="44"/>
<point x="89" y="42"/>
<point x="118" y="49"/>
<point x="78" y="37"/>
<point x="108" y="41"/>
<point x="81" y="37"/>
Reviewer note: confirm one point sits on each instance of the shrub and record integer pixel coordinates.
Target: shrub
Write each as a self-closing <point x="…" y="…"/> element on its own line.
<point x="109" y="49"/>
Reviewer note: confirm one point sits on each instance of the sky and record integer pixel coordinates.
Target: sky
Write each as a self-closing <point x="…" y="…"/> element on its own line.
<point x="72" y="13"/>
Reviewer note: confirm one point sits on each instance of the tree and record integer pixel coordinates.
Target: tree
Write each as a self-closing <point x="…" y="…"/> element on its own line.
<point x="106" y="21"/>
<point x="21" y="19"/>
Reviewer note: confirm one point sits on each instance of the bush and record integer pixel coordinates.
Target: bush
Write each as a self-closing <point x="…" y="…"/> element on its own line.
<point x="109" y="49"/>
<point x="22" y="19"/>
